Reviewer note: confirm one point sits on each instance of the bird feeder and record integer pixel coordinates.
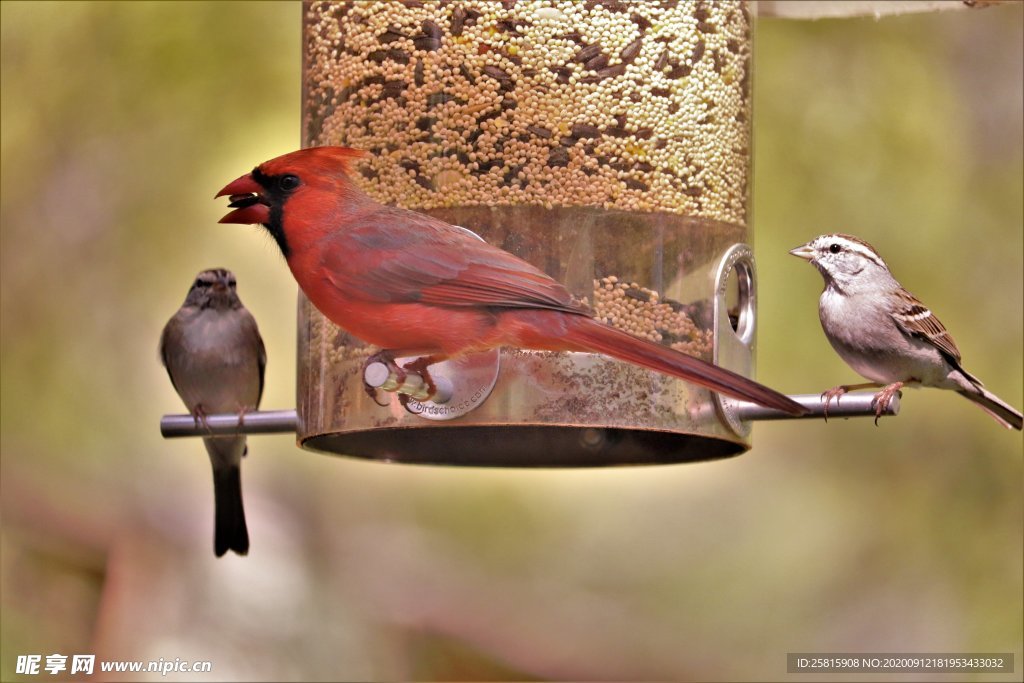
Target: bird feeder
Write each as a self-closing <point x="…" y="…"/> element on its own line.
<point x="607" y="143"/>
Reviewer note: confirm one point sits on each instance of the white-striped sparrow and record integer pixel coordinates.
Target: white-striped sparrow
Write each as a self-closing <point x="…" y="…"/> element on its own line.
<point x="215" y="356"/>
<point x="884" y="333"/>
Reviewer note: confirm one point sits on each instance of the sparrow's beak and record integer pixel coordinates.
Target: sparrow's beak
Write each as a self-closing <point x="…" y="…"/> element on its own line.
<point x="804" y="252"/>
<point x="247" y="201"/>
<point x="221" y="285"/>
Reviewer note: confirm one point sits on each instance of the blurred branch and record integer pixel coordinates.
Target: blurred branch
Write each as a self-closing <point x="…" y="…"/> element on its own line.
<point x="823" y="9"/>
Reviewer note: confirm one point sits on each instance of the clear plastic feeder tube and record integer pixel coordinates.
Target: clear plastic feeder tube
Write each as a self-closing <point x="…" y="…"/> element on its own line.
<point x="607" y="143"/>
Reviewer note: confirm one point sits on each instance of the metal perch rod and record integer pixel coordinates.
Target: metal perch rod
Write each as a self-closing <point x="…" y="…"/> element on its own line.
<point x="851" y="405"/>
<point x="258" y="422"/>
<point x="285" y="421"/>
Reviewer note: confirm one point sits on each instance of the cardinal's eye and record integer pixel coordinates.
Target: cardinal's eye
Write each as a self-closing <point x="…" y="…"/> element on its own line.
<point x="835" y="248"/>
<point x="289" y="182"/>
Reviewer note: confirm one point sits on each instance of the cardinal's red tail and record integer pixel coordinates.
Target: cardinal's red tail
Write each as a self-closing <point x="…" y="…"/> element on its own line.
<point x="590" y="335"/>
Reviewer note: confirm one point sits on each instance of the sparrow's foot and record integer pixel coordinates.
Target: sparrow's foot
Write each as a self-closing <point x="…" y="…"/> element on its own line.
<point x="833" y="393"/>
<point x="241" y="425"/>
<point x="199" y="417"/>
<point x="884" y="397"/>
<point x="836" y="392"/>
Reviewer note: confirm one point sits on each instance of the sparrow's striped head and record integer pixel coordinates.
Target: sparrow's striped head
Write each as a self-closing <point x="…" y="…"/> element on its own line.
<point x="213" y="288"/>
<point x="845" y="260"/>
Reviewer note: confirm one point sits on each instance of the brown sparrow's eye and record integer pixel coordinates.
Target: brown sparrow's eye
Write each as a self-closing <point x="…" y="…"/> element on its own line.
<point x="835" y="248"/>
<point x="201" y="283"/>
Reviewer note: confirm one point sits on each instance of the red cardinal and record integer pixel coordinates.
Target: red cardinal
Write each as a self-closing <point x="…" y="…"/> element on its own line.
<point x="417" y="286"/>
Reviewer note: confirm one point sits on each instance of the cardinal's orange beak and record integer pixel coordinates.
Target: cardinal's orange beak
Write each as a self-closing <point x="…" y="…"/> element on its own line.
<point x="247" y="200"/>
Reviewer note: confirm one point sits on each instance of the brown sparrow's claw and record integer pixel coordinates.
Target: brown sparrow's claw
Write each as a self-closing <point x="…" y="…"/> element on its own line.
<point x="884" y="397"/>
<point x="199" y="417"/>
<point x="842" y="389"/>
<point x="833" y="393"/>
<point x="241" y="425"/>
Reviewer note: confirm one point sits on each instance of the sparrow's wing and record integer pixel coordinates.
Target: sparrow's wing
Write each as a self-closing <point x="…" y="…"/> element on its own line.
<point x="917" y="321"/>
<point x="164" y="351"/>
<point x="263" y="366"/>
<point x="405" y="257"/>
<point x="253" y="332"/>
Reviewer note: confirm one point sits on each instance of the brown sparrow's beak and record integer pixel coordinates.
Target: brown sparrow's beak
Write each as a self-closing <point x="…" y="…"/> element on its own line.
<point x="247" y="201"/>
<point x="804" y="251"/>
<point x="221" y="285"/>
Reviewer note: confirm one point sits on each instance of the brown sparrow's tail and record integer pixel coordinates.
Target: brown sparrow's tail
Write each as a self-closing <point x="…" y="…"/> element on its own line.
<point x="1004" y="413"/>
<point x="230" y="531"/>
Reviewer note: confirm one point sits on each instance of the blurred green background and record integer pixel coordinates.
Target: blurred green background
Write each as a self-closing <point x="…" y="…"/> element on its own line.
<point x="121" y="120"/>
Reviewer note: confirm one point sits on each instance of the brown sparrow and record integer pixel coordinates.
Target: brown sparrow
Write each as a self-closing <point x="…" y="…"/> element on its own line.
<point x="215" y="356"/>
<point x="884" y="333"/>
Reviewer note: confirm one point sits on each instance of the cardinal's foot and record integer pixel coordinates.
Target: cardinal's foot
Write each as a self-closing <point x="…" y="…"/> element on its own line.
<point x="419" y="366"/>
<point x="394" y="370"/>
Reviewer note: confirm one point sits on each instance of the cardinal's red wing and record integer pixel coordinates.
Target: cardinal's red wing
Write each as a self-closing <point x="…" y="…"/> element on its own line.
<point x="396" y="256"/>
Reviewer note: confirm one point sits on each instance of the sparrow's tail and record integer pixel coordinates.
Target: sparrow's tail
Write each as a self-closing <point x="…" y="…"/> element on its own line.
<point x="230" y="532"/>
<point x="588" y="334"/>
<point x="1000" y="410"/>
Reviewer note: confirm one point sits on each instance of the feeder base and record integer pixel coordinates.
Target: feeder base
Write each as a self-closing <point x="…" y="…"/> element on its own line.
<point x="525" y="446"/>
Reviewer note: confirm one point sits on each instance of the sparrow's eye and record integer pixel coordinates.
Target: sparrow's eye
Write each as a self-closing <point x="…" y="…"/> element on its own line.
<point x="201" y="283"/>
<point x="835" y="248"/>
<point x="289" y="182"/>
